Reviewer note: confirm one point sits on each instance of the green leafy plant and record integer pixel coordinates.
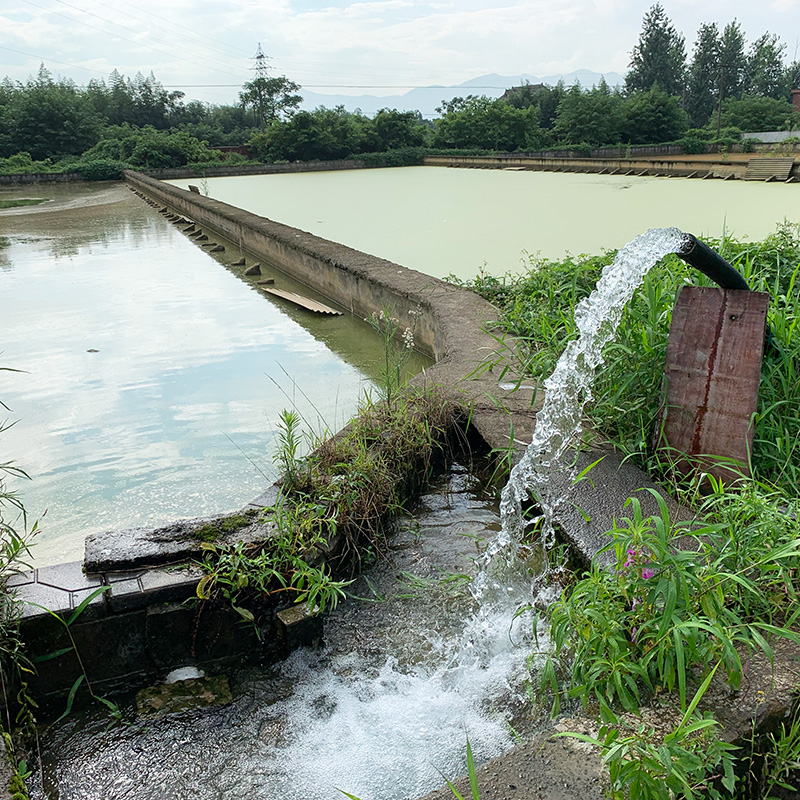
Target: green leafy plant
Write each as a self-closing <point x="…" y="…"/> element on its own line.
<point x="83" y="678"/>
<point x="289" y="442"/>
<point x="664" y="611"/>
<point x="278" y="566"/>
<point x="689" y="761"/>
<point x="781" y="765"/>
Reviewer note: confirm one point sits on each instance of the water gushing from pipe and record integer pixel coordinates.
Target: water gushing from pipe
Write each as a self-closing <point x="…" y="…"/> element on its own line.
<point x="567" y="391"/>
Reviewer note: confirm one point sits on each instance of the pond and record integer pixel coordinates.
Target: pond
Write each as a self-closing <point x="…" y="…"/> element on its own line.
<point x="151" y="377"/>
<point x="444" y="221"/>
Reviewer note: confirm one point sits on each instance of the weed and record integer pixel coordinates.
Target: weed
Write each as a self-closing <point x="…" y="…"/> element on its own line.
<point x="689" y="761"/>
<point x="397" y="342"/>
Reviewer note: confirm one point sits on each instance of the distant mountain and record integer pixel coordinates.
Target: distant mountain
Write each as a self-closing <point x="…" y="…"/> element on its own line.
<point x="426" y="99"/>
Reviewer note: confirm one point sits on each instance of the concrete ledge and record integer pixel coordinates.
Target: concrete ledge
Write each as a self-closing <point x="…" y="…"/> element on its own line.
<point x="733" y="166"/>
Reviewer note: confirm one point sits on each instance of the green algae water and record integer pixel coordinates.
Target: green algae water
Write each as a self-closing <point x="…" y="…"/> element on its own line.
<point x="444" y="221"/>
<point x="151" y="378"/>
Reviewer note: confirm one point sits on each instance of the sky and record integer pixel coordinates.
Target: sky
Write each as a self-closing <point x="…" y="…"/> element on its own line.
<point x="381" y="47"/>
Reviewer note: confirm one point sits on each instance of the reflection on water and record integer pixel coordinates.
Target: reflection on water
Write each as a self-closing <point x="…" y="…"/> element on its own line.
<point x="454" y="221"/>
<point x="151" y="377"/>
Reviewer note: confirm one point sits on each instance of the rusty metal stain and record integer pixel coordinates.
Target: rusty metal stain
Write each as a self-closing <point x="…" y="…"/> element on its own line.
<point x="712" y="371"/>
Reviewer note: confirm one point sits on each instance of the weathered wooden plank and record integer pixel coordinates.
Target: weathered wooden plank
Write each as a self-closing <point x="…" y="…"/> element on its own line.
<point x="712" y="371"/>
<point x="303" y="302"/>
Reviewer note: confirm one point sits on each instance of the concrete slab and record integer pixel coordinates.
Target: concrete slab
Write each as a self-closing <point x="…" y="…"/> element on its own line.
<point x="180" y="541"/>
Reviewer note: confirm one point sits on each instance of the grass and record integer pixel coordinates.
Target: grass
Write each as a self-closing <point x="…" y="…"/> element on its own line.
<point x="22" y="201"/>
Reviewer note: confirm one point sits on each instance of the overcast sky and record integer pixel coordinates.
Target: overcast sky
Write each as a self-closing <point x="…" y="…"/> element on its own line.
<point x="376" y="47"/>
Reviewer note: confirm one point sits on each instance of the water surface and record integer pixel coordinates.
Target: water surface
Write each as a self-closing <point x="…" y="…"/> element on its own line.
<point x="445" y="221"/>
<point x="151" y="378"/>
<point x="408" y="673"/>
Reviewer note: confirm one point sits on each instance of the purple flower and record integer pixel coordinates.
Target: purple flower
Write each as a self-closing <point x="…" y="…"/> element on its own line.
<point x="648" y="573"/>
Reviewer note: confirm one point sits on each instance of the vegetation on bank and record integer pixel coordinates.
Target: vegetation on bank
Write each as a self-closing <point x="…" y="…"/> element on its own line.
<point x="667" y="618"/>
<point x="724" y="90"/>
<point x="335" y="505"/>
<point x="15" y="541"/>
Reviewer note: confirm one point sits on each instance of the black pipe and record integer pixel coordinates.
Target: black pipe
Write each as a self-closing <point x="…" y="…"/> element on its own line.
<point x="700" y="256"/>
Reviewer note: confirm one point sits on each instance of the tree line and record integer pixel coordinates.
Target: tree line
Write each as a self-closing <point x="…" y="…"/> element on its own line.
<point x="724" y="89"/>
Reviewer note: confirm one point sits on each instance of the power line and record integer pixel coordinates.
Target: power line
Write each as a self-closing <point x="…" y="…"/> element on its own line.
<point x="215" y="45"/>
<point x="113" y="22"/>
<point x="51" y="60"/>
<point x="326" y="86"/>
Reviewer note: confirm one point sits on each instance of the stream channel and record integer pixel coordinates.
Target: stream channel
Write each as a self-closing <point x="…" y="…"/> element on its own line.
<point x="410" y="670"/>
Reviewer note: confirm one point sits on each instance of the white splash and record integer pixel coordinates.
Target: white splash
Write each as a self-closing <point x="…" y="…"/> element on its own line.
<point x="568" y="389"/>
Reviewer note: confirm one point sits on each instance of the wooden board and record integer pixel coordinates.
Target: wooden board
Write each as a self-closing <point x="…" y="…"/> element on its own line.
<point x="712" y="371"/>
<point x="303" y="302"/>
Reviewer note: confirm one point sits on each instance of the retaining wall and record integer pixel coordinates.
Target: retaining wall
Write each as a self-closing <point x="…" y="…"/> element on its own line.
<point x="702" y="166"/>
<point x="40" y="177"/>
<point x="252" y="169"/>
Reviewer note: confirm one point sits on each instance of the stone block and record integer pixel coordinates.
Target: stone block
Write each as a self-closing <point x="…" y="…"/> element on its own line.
<point x="61" y="589"/>
<point x="172" y="698"/>
<point x="298" y="627"/>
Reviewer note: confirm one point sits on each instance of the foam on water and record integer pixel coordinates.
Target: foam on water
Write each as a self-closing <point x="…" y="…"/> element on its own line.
<point x="403" y="728"/>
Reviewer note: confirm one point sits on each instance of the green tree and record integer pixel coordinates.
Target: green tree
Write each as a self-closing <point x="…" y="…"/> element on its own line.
<point x="49" y="119"/>
<point x="320" y="134"/>
<point x="595" y="116"/>
<point x="792" y="76"/>
<point x="765" y="74"/>
<point x="702" y="87"/>
<point x="760" y="114"/>
<point x="732" y="62"/>
<point x="659" y="57"/>
<point x="652" y="117"/>
<point x="270" y="98"/>
<point x="487" y="124"/>
<point x="398" y="129"/>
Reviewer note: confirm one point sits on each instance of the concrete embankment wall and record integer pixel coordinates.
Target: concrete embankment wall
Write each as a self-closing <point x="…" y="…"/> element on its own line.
<point x="226" y="170"/>
<point x="39" y="177"/>
<point x="447" y="317"/>
<point x="700" y="166"/>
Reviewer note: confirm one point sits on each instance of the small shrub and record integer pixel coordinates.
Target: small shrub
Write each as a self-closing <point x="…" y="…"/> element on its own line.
<point x="692" y="145"/>
<point x="102" y="169"/>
